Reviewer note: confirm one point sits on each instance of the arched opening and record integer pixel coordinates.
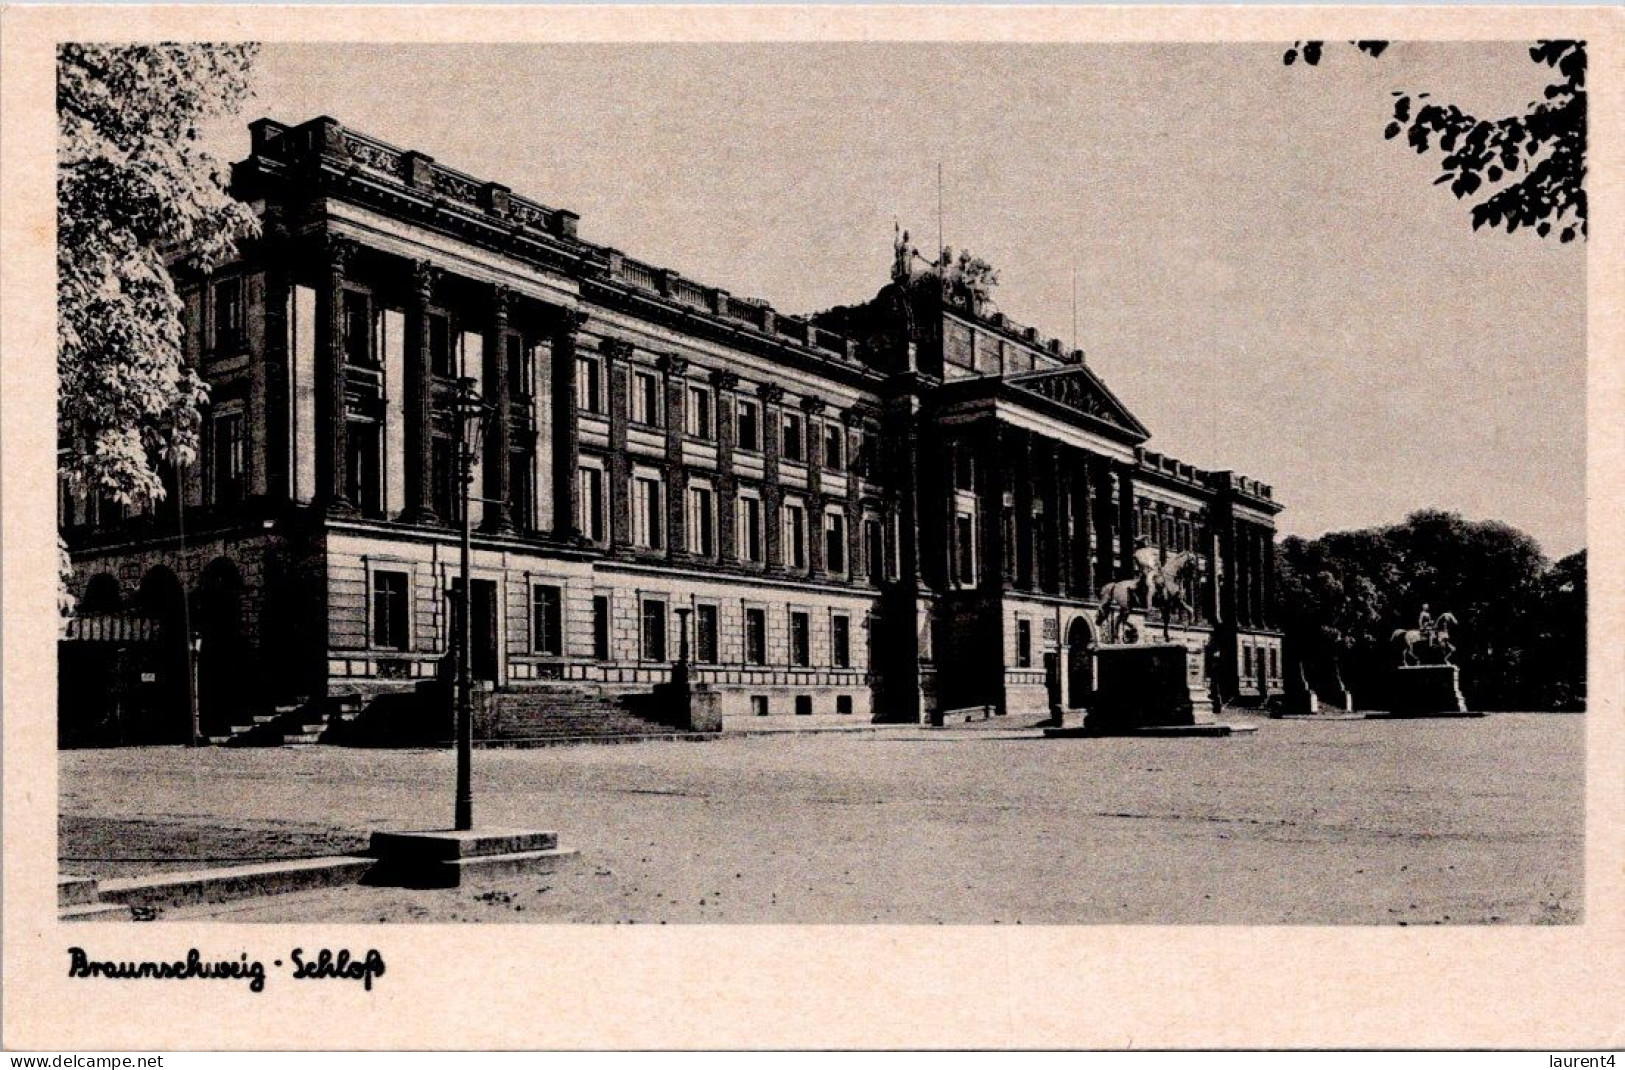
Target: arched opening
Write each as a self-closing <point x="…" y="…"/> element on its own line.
<point x="102" y="595"/>
<point x="165" y="715"/>
<point x="1080" y="646"/>
<point x="222" y="665"/>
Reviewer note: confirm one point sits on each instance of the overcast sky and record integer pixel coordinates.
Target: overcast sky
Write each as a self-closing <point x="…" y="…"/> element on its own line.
<point x="1267" y="283"/>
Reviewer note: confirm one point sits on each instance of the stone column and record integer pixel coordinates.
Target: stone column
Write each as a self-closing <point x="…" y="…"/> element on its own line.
<point x="1054" y="572"/>
<point x="1125" y="518"/>
<point x="1083" y="525"/>
<point x="812" y="409"/>
<point x="857" y="568"/>
<point x="1105" y="522"/>
<point x="419" y="399"/>
<point x="990" y="503"/>
<point x="278" y="387"/>
<point x="1023" y="447"/>
<point x="566" y="426"/>
<point x="727" y="414"/>
<point x="617" y="370"/>
<point x="772" y="494"/>
<point x="499" y="510"/>
<point x="675" y="368"/>
<point x="332" y="432"/>
<point x="1267" y="546"/>
<point x="1244" y="574"/>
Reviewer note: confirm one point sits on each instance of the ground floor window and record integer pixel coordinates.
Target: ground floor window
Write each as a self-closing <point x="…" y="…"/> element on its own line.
<point x="654" y="630"/>
<point x="600" y="627"/>
<point x="800" y="639"/>
<point x="590" y="502"/>
<point x="834" y="542"/>
<point x="1024" y="644"/>
<point x="547" y="619"/>
<point x="1246" y="662"/>
<point x="840" y="641"/>
<point x="705" y="634"/>
<point x="756" y="636"/>
<point x="389" y="609"/>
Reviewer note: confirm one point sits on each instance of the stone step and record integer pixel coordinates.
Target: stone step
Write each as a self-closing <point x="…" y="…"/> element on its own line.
<point x="445" y="844"/>
<point x="75" y="891"/>
<point x="300" y="737"/>
<point x="235" y="882"/>
<point x="449" y="873"/>
<point x="95" y="912"/>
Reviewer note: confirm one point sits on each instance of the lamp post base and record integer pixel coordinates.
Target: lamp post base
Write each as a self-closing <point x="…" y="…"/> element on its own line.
<point x="440" y="858"/>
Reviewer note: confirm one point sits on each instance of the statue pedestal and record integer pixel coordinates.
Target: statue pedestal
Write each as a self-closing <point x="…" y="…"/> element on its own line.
<point x="1427" y="691"/>
<point x="1150" y="685"/>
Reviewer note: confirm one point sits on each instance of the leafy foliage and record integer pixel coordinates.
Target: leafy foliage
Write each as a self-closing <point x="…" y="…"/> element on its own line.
<point x="1534" y="163"/>
<point x="135" y="192"/>
<point x="1522" y="624"/>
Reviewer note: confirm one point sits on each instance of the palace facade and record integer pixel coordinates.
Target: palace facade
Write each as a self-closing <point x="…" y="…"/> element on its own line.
<point x="885" y="511"/>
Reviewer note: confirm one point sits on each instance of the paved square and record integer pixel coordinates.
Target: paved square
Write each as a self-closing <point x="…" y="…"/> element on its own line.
<point x="1354" y="822"/>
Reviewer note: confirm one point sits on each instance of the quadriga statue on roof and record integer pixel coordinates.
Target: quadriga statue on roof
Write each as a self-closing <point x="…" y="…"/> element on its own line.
<point x="1431" y="635"/>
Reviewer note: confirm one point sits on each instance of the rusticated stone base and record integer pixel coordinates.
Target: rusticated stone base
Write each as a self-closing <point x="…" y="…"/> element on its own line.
<point x="1146" y="686"/>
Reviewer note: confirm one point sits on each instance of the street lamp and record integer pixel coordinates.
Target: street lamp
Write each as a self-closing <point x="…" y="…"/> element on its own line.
<point x="471" y="413"/>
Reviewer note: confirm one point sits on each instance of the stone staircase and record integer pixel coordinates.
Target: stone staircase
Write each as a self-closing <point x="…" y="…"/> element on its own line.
<point x="545" y="714"/>
<point x="303" y="722"/>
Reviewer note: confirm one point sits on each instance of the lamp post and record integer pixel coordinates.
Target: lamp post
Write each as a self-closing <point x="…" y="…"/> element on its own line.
<point x="470" y="408"/>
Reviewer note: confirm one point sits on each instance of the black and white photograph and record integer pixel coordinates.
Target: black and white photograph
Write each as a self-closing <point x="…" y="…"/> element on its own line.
<point x="816" y="483"/>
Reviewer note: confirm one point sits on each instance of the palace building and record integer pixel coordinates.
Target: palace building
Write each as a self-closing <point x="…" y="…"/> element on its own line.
<point x="888" y="511"/>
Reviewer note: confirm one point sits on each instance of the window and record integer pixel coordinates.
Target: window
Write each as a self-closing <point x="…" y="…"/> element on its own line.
<point x="522" y="487"/>
<point x="590" y="503"/>
<point x="228" y="315"/>
<point x="441" y="359"/>
<point x="867" y="461"/>
<point x="1275" y="663"/>
<point x="804" y="706"/>
<point x="589" y="391"/>
<point x="701" y="521"/>
<point x="698" y="416"/>
<point x="750" y="528"/>
<point x="843" y="703"/>
<point x="363" y="474"/>
<point x="758" y="705"/>
<point x="517" y="354"/>
<point x="756" y="636"/>
<point x="795" y="536"/>
<point x="840" y="641"/>
<point x="834" y="542"/>
<point x="705" y="634"/>
<point x="1246" y="662"/>
<point x="834" y="447"/>
<point x="444" y="488"/>
<point x="965" y="548"/>
<point x="874" y="547"/>
<point x="964" y="469"/>
<point x="600" y="627"/>
<point x="1024" y="644"/>
<point x="749" y="437"/>
<point x="654" y="630"/>
<point x="389" y="606"/>
<point x="226" y="458"/>
<point x="646" y="399"/>
<point x="648" y="512"/>
<point x="800" y="639"/>
<point x="359" y="341"/>
<point x="794" y="445"/>
<point x="547" y="620"/>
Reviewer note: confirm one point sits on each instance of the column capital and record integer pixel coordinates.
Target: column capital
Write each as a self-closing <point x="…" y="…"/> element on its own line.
<point x="425" y="277"/>
<point x="723" y="379"/>
<point x="615" y="349"/>
<point x="770" y="392"/>
<point x="568" y="320"/>
<point x="672" y="364"/>
<point x="503" y="299"/>
<point x="812" y="406"/>
<point x="337" y="251"/>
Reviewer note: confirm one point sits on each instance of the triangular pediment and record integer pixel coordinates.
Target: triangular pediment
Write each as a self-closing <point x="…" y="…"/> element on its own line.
<point x="1077" y="388"/>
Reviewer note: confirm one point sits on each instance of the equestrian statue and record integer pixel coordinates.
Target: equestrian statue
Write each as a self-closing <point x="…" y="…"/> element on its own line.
<point x="1160" y="584"/>
<point x="1431" y="635"/>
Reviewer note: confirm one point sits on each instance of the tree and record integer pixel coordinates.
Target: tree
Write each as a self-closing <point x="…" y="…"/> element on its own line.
<point x="1533" y="164"/>
<point x="135" y="191"/>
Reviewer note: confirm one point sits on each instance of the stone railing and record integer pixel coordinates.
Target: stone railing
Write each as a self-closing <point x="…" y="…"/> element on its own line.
<point x="636" y="273"/>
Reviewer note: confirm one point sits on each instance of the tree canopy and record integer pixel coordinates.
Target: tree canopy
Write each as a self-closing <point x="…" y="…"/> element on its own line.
<point x="136" y="192"/>
<point x="1531" y="166"/>
<point x="1521" y="629"/>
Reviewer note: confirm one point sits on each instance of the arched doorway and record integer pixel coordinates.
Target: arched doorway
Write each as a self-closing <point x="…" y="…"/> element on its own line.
<point x="102" y="595"/>
<point x="1080" y="648"/>
<point x="222" y="666"/>
<point x="166" y="716"/>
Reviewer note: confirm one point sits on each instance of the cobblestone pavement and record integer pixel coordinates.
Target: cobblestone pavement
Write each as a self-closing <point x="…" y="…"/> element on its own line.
<point x="1371" y="822"/>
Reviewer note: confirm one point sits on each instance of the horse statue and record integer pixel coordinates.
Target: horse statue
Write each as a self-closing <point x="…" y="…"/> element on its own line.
<point x="1434" y="637"/>
<point x="1162" y="587"/>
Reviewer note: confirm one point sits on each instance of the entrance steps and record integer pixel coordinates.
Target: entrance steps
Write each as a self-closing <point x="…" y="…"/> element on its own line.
<point x="543" y="714"/>
<point x="304" y="722"/>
